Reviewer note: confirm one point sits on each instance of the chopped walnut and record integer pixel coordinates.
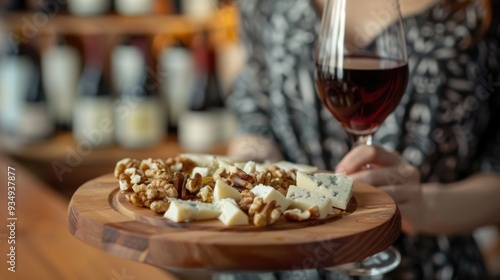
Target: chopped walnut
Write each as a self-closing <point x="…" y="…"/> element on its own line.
<point x="240" y="179"/>
<point x="124" y="164"/>
<point x="268" y="214"/>
<point x="247" y="198"/>
<point x="152" y="164"/>
<point x="157" y="174"/>
<point x="159" y="206"/>
<point x="256" y="206"/>
<point x="178" y="181"/>
<point x="171" y="191"/>
<point x="194" y="184"/>
<point x="220" y="173"/>
<point x="130" y="177"/>
<point x="205" y="194"/>
<point x="263" y="177"/>
<point x="298" y="215"/>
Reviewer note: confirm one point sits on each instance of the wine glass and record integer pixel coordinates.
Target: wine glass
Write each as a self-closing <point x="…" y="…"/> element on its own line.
<point x="361" y="74"/>
<point x="361" y="63"/>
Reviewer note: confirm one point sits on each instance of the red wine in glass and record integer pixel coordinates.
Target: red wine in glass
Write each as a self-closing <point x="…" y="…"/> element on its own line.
<point x="363" y="92"/>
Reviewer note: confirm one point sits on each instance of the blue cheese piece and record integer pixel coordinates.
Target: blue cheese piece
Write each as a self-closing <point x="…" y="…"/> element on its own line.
<point x="269" y="193"/>
<point x="304" y="199"/>
<point x="336" y="186"/>
<point x="181" y="211"/>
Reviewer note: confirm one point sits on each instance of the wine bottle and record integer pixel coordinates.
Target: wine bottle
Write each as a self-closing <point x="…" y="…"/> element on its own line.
<point x="93" y="115"/>
<point x="16" y="5"/>
<point x="16" y="66"/>
<point x="201" y="127"/>
<point x="53" y="7"/>
<point x="89" y="7"/>
<point x="139" y="113"/>
<point x="177" y="62"/>
<point x="135" y="7"/>
<point x="177" y="6"/>
<point x="35" y="122"/>
<point x="199" y="10"/>
<point x="128" y="63"/>
<point x="60" y="75"/>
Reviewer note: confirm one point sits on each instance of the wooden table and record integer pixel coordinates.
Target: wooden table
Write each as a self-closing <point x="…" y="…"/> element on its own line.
<point x="44" y="247"/>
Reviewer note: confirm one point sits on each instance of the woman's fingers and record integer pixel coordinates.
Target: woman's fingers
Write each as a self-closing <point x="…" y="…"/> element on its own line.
<point x="385" y="176"/>
<point x="401" y="186"/>
<point x="363" y="155"/>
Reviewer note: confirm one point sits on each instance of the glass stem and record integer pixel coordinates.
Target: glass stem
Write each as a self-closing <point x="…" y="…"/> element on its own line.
<point x="357" y="140"/>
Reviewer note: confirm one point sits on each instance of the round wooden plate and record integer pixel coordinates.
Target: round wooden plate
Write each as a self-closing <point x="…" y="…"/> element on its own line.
<point x="100" y="216"/>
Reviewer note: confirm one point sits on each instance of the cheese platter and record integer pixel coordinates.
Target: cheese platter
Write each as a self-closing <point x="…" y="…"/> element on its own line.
<point x="209" y="226"/>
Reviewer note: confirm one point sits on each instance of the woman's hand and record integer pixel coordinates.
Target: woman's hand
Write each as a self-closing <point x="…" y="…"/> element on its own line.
<point x="391" y="173"/>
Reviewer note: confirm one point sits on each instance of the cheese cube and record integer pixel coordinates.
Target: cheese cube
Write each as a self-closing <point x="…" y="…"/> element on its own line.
<point x="249" y="167"/>
<point x="269" y="193"/>
<point x="223" y="190"/>
<point x="185" y="211"/>
<point x="231" y="214"/>
<point x="336" y="186"/>
<point x="304" y="199"/>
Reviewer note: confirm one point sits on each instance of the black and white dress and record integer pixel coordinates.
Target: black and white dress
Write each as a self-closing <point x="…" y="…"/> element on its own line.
<point x="446" y="124"/>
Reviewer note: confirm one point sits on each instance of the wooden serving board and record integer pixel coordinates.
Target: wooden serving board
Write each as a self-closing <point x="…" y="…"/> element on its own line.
<point x="100" y="216"/>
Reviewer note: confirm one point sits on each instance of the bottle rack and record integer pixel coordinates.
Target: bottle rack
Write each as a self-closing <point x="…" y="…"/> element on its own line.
<point x="162" y="30"/>
<point x="24" y="24"/>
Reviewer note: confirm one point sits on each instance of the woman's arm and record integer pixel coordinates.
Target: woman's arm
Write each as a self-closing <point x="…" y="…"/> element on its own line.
<point x="462" y="206"/>
<point x="429" y="208"/>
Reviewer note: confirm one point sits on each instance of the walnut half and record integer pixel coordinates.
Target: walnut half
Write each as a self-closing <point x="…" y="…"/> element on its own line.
<point x="298" y="215"/>
<point x="264" y="213"/>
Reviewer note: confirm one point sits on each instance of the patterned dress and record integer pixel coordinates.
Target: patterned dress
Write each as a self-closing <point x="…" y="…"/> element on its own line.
<point x="446" y="124"/>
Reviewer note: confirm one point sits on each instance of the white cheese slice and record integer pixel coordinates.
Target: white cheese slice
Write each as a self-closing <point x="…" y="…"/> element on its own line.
<point x="199" y="159"/>
<point x="269" y="193"/>
<point x="304" y="199"/>
<point x="240" y="165"/>
<point x="223" y="190"/>
<point x="184" y="211"/>
<point x="286" y="165"/>
<point x="336" y="186"/>
<point x="231" y="214"/>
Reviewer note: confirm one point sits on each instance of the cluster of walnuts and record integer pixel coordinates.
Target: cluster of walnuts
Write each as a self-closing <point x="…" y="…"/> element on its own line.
<point x="155" y="182"/>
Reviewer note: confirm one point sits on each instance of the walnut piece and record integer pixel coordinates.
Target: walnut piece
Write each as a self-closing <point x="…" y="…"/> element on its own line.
<point x="267" y="213"/>
<point x="205" y="194"/>
<point x="124" y="164"/>
<point x="246" y="201"/>
<point x="194" y="184"/>
<point x="298" y="215"/>
<point x="130" y="177"/>
<point x="159" y="206"/>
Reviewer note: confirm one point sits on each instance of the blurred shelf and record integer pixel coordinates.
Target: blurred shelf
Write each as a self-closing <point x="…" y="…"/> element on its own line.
<point x="61" y="164"/>
<point x="28" y="24"/>
<point x="62" y="145"/>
